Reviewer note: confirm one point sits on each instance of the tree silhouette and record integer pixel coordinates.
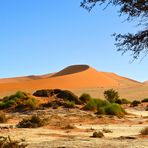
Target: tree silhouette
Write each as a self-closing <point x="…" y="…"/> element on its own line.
<point x="135" y="9"/>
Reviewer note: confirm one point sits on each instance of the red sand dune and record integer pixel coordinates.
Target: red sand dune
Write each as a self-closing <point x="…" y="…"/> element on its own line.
<point x="72" y="77"/>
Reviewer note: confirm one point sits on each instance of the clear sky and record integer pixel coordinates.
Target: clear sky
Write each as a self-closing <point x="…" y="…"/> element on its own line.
<point x="44" y="36"/>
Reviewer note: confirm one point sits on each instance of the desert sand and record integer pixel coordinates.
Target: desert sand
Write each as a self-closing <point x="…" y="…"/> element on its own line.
<point x="79" y="79"/>
<point x="125" y="132"/>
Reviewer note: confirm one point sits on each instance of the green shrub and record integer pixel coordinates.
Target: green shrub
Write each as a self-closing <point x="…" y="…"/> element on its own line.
<point x="111" y="95"/>
<point x="69" y="104"/>
<point x="135" y="103"/>
<point x="33" y="122"/>
<point x="7" y="142"/>
<point x="145" y="100"/>
<point x="94" y="104"/>
<point x="85" y="98"/>
<point x="114" y="109"/>
<point x="3" y="118"/>
<point x="144" y="131"/>
<point x="101" y="110"/>
<point x="20" y="100"/>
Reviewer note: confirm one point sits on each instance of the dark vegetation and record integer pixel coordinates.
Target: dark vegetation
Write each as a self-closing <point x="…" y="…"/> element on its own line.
<point x="135" y="10"/>
<point x="65" y="99"/>
<point x="7" y="142"/>
<point x="135" y="103"/>
<point x="33" y="122"/>
<point x="65" y="95"/>
<point x="98" y="134"/>
<point x="106" y="107"/>
<point x="20" y="100"/>
<point x="145" y="100"/>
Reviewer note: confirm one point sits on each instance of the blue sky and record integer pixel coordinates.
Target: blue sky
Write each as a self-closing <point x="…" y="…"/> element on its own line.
<point x="44" y="36"/>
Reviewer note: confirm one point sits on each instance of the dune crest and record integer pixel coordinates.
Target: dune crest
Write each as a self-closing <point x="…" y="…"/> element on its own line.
<point x="71" y="70"/>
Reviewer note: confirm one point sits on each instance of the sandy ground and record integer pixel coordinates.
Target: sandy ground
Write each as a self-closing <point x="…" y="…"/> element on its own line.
<point x="85" y="123"/>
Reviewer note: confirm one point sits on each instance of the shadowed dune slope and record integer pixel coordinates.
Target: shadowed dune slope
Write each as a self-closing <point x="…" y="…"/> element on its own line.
<point x="72" y="77"/>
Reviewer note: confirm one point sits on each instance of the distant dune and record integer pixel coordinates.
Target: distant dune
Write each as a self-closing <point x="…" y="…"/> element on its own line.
<point x="73" y="77"/>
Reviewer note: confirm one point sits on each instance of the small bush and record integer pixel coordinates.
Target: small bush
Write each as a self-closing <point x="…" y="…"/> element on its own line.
<point x="85" y="98"/>
<point x="98" y="134"/>
<point x="135" y="103"/>
<point x="33" y="122"/>
<point x="114" y="109"/>
<point x="144" y="131"/>
<point x="145" y="100"/>
<point x="7" y="142"/>
<point x="111" y="95"/>
<point x="69" y="104"/>
<point x="3" y="118"/>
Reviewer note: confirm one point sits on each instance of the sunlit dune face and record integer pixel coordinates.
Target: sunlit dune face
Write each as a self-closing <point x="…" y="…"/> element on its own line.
<point x="72" y="77"/>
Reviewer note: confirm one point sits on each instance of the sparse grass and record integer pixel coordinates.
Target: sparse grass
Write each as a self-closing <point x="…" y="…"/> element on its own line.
<point x="144" y="131"/>
<point x="19" y="100"/>
<point x="3" y="118"/>
<point x="7" y="142"/>
<point x="105" y="130"/>
<point x="69" y="126"/>
<point x="98" y="134"/>
<point x="33" y="122"/>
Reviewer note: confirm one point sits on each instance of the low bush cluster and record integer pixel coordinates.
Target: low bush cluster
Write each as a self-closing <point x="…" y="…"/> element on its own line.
<point x="104" y="107"/>
<point x="20" y="100"/>
<point x="122" y="101"/>
<point x="65" y="95"/>
<point x="33" y="122"/>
